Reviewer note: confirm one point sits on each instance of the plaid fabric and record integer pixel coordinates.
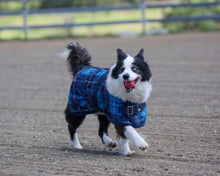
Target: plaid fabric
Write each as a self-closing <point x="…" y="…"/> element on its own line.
<point x="88" y="94"/>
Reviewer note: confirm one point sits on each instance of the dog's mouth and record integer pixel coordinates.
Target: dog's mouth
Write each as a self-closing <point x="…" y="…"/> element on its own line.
<point x="130" y="85"/>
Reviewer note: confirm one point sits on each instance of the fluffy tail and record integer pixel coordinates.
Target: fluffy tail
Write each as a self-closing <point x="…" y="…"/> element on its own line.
<point x="77" y="57"/>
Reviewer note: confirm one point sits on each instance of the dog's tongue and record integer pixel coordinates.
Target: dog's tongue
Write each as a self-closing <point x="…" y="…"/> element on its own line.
<point x="129" y="85"/>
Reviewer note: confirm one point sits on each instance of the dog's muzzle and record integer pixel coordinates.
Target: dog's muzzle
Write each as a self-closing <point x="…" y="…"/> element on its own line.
<point x="130" y="85"/>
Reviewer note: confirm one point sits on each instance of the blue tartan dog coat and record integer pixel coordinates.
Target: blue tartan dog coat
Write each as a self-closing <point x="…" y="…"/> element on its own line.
<point x="88" y="94"/>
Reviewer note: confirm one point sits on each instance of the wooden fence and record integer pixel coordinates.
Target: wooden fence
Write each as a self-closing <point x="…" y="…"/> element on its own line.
<point x="143" y="6"/>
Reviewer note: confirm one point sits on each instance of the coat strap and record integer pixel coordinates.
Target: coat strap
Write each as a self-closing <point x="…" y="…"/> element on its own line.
<point x="132" y="109"/>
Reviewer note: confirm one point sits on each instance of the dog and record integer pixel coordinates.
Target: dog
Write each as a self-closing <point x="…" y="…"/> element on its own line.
<point x="116" y="95"/>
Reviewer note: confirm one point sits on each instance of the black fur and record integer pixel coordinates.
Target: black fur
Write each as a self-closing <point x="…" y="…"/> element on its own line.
<point x="73" y="122"/>
<point x="144" y="69"/>
<point x="103" y="125"/>
<point x="121" y="56"/>
<point x="103" y="128"/>
<point x="120" y="131"/>
<point x="78" y="57"/>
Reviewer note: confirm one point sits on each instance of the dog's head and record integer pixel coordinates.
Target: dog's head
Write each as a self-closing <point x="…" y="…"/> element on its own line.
<point x="130" y="77"/>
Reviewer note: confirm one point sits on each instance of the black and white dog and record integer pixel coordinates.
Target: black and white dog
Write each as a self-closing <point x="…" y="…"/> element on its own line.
<point x="116" y="95"/>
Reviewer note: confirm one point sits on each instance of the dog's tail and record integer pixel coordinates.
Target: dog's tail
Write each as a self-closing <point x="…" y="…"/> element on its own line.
<point x="77" y="57"/>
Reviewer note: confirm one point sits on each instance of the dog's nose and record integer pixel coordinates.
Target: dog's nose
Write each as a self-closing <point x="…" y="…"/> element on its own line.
<point x="125" y="76"/>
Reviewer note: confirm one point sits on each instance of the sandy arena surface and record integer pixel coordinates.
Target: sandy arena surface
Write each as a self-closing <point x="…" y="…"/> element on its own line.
<point x="183" y="120"/>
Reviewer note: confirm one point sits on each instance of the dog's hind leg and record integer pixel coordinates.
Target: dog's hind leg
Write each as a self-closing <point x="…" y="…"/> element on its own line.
<point x="73" y="123"/>
<point x="103" y="131"/>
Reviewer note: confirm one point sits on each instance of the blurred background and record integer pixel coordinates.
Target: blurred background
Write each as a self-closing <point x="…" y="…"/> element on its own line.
<point x="40" y="19"/>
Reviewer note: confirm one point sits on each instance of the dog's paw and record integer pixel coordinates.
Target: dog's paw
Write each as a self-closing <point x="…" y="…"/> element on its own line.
<point x="108" y="141"/>
<point x="142" y="145"/>
<point x="127" y="153"/>
<point x="76" y="145"/>
<point x="112" y="144"/>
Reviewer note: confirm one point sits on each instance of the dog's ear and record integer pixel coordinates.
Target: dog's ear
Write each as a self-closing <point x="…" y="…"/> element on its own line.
<point x="121" y="55"/>
<point x="141" y="54"/>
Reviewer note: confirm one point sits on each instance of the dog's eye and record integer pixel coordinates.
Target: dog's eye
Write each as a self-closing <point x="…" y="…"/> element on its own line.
<point x="121" y="69"/>
<point x="134" y="68"/>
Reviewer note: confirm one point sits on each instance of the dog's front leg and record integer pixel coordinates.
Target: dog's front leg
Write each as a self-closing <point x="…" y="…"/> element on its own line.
<point x="125" y="149"/>
<point x="132" y="134"/>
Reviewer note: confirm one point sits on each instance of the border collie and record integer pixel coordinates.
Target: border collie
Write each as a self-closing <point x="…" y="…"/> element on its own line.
<point x="116" y="95"/>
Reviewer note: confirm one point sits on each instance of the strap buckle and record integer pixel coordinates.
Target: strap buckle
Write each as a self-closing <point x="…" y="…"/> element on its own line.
<point x="130" y="110"/>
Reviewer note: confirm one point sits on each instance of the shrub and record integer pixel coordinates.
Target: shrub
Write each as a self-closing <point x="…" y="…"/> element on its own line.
<point x="205" y="25"/>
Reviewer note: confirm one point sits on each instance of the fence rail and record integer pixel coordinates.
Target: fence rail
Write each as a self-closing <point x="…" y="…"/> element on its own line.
<point x="142" y="7"/>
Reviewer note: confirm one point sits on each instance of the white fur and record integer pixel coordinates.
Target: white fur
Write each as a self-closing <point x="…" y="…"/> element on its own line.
<point x="116" y="86"/>
<point x="65" y="54"/>
<point x="75" y="143"/>
<point x="132" y="134"/>
<point x="128" y="64"/>
<point x="125" y="149"/>
<point x="108" y="141"/>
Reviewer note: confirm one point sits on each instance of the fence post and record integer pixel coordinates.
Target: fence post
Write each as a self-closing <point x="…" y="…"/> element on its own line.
<point x="25" y="13"/>
<point x="143" y="17"/>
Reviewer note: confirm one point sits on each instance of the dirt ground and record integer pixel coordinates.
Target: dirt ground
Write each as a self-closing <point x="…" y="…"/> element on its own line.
<point x="182" y="126"/>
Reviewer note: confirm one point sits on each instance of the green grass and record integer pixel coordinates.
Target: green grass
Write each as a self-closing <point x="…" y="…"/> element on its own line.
<point x="85" y="17"/>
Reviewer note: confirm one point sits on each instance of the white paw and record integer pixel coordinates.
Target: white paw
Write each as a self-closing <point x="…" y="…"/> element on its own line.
<point x="125" y="149"/>
<point x="108" y="141"/>
<point x="127" y="153"/>
<point x="132" y="134"/>
<point x="112" y="144"/>
<point x="76" y="146"/>
<point x="142" y="145"/>
<point x="75" y="143"/>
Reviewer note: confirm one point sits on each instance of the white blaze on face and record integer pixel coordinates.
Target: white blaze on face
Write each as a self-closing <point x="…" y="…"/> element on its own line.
<point x="128" y="76"/>
<point x="128" y="65"/>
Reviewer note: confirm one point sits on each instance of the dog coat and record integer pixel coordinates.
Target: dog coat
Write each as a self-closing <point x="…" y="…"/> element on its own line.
<point x="88" y="94"/>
